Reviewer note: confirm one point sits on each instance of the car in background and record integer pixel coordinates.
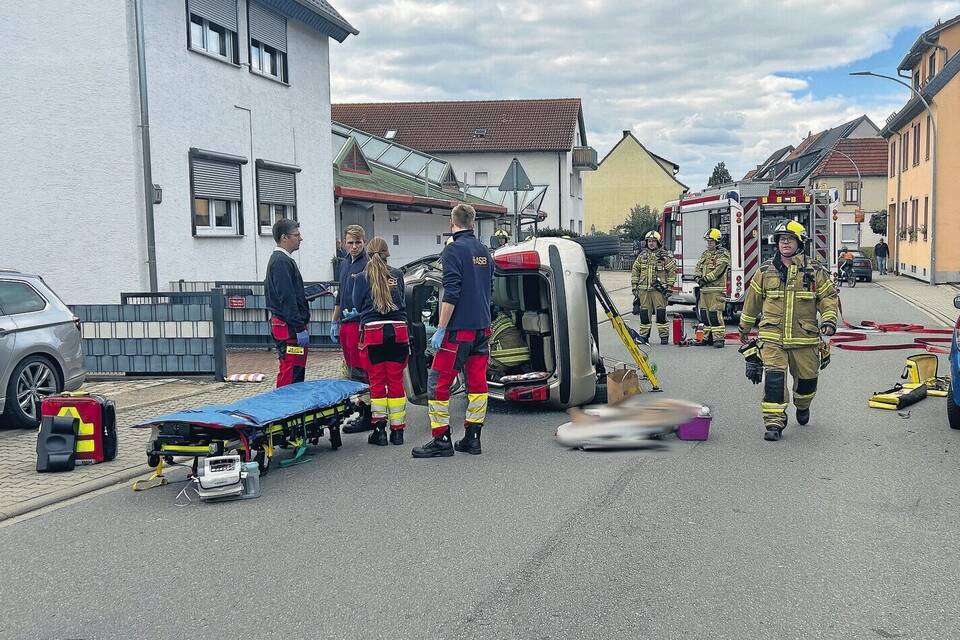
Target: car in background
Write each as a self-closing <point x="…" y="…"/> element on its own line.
<point x="41" y="350"/>
<point x="862" y="266"/>
<point x="953" y="398"/>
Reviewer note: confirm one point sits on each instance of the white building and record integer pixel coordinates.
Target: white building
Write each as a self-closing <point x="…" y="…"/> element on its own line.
<point x="481" y="138"/>
<point x="236" y="96"/>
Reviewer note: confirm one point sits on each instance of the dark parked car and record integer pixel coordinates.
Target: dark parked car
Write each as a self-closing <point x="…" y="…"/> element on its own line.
<point x="862" y="266"/>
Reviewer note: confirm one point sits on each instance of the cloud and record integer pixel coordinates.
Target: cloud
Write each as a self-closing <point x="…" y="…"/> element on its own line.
<point x="697" y="82"/>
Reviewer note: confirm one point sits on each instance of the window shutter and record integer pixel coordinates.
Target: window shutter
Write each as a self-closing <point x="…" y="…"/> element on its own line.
<point x="268" y="27"/>
<point x="222" y="12"/>
<point x="220" y="180"/>
<point x="276" y="187"/>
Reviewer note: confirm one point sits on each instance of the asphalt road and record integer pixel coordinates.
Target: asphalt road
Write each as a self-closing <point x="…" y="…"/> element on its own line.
<point x="847" y="528"/>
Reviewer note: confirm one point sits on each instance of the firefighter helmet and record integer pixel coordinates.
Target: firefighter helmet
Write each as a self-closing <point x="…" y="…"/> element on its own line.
<point x="791" y="228"/>
<point x="653" y="235"/>
<point x="713" y="234"/>
<point x="502" y="233"/>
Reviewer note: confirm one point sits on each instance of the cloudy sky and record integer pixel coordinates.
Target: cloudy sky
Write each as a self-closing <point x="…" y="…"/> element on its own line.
<point x="697" y="82"/>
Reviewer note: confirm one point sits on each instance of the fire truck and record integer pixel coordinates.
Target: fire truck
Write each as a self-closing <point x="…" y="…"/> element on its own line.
<point x="746" y="213"/>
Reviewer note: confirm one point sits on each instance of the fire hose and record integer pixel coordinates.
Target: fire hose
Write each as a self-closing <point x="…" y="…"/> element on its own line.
<point x="926" y="338"/>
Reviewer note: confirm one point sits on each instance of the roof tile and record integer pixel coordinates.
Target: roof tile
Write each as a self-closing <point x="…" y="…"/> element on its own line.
<point x="869" y="154"/>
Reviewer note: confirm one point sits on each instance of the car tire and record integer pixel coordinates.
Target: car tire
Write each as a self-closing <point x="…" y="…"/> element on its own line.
<point x="600" y="397"/>
<point x="13" y="414"/>
<point x="595" y="247"/>
<point x="953" y="411"/>
<point x="870" y="278"/>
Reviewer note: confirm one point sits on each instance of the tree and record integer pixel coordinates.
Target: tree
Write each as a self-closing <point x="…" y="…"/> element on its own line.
<point x="720" y="175"/>
<point x="641" y="220"/>
<point x="878" y="223"/>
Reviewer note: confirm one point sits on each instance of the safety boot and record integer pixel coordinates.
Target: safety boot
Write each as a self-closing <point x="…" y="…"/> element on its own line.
<point x="803" y="416"/>
<point x="471" y="440"/>
<point x="396" y="436"/>
<point x="440" y="446"/>
<point x="720" y="343"/>
<point x="664" y="340"/>
<point x="773" y="434"/>
<point x="379" y="434"/>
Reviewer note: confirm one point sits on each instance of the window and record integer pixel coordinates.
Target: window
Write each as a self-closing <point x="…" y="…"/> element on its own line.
<point x="905" y="151"/>
<point x="276" y="194"/>
<point x="396" y="240"/>
<point x="848" y="234"/>
<point x="391" y="134"/>
<point x="580" y="225"/>
<point x="916" y="79"/>
<point x="480" y="178"/>
<point x="268" y="42"/>
<point x="19" y="297"/>
<point x="931" y="66"/>
<point x="903" y="217"/>
<point x="216" y="191"/>
<point x="573" y="186"/>
<point x="851" y="193"/>
<point x="571" y="224"/>
<point x="916" y="144"/>
<point x="914" y="222"/>
<point x="439" y="239"/>
<point x="479" y="132"/>
<point x="893" y="158"/>
<point x="213" y="28"/>
<point x="929" y="127"/>
<point x="926" y="214"/>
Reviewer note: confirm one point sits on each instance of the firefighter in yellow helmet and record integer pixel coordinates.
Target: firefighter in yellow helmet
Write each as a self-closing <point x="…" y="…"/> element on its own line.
<point x="654" y="273"/>
<point x="711" y="274"/>
<point x="794" y="301"/>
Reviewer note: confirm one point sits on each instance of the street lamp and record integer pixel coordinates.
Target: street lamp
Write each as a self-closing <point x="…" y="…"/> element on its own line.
<point x="859" y="185"/>
<point x="933" y="186"/>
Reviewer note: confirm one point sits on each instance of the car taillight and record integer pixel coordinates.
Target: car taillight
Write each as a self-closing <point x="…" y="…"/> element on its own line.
<point x="539" y="393"/>
<point x="518" y="260"/>
<point x="76" y="323"/>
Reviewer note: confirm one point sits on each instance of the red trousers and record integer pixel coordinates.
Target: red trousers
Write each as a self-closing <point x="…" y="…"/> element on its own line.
<point x="384" y="347"/>
<point x="466" y="350"/>
<point x="350" y="343"/>
<point x="293" y="358"/>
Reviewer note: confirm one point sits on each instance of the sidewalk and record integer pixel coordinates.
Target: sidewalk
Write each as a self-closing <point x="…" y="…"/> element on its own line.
<point x="22" y="489"/>
<point x="936" y="301"/>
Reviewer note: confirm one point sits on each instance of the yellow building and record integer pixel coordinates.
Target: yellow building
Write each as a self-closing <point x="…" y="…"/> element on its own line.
<point x="627" y="176"/>
<point x="923" y="206"/>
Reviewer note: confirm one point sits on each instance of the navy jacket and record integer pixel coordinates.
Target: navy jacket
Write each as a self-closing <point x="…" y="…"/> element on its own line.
<point x="283" y="287"/>
<point x="363" y="298"/>
<point x="467" y="281"/>
<point x="349" y="271"/>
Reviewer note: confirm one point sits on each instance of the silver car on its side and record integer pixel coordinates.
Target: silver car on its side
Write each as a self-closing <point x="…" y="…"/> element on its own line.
<point x="40" y="348"/>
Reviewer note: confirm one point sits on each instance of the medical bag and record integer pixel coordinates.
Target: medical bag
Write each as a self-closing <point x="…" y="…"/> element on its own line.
<point x="97" y="435"/>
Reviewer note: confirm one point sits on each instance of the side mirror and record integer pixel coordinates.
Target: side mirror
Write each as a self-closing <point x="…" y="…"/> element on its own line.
<point x="956" y="302"/>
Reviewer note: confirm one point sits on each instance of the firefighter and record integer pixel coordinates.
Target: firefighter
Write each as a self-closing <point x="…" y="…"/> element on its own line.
<point x="287" y="302"/>
<point x="509" y="353"/>
<point x="654" y="273"/>
<point x="461" y="342"/>
<point x="378" y="296"/>
<point x="786" y="295"/>
<point x="711" y="275"/>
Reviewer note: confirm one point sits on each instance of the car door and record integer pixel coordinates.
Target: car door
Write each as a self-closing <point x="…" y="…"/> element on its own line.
<point x="422" y="294"/>
<point x="8" y="341"/>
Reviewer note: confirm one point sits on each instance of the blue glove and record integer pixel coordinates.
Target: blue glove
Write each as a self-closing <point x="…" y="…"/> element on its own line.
<point x="335" y="331"/>
<point x="303" y="338"/>
<point x="349" y="314"/>
<point x="437" y="339"/>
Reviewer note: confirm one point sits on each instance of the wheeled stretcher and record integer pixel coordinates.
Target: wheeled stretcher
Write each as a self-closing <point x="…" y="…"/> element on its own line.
<point x="296" y="415"/>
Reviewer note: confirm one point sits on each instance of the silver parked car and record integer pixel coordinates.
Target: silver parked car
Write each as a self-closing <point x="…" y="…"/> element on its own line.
<point x="40" y="348"/>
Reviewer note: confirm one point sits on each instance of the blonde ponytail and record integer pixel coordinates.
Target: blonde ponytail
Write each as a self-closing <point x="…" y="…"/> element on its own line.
<point x="378" y="275"/>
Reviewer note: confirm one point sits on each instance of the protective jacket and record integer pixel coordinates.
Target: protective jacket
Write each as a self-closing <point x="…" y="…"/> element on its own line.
<point x="653" y="267"/>
<point x="785" y="302"/>
<point x="349" y="271"/>
<point x="711" y="269"/>
<point x="507" y="346"/>
<point x="467" y="281"/>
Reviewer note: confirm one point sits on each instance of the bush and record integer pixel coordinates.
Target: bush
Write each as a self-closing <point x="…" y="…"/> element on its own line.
<point x="550" y="232"/>
<point x="878" y="223"/>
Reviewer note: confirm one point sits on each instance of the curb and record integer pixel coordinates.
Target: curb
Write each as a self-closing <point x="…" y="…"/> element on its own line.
<point x="947" y="322"/>
<point x="118" y="477"/>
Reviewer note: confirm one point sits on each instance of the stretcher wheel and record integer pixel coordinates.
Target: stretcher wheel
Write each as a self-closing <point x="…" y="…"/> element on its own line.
<point x="153" y="461"/>
<point x="262" y="460"/>
<point x="335" y="440"/>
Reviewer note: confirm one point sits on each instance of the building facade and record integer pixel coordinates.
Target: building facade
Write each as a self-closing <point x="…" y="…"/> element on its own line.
<point x="922" y="218"/>
<point x="629" y="175"/>
<point x="481" y="139"/>
<point x="236" y="97"/>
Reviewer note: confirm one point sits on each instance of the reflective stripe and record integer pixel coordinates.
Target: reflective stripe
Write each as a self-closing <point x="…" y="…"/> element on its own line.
<point x="772" y="407"/>
<point x="476" y="407"/>
<point x="378" y="408"/>
<point x="829" y="315"/>
<point x="803" y="396"/>
<point x="397" y="408"/>
<point x="750" y="320"/>
<point x="511" y="356"/>
<point x="802" y="341"/>
<point x="805" y="295"/>
<point x="756" y="286"/>
<point x="439" y="414"/>
<point x="827" y="285"/>
<point x="769" y="335"/>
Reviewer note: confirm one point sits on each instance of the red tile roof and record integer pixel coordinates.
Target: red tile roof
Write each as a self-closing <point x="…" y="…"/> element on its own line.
<point x="438" y="127"/>
<point x="803" y="146"/>
<point x="749" y="174"/>
<point x="869" y="154"/>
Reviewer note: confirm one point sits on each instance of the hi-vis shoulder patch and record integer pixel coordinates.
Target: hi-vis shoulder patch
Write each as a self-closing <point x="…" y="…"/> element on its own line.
<point x="480" y="261"/>
<point x="391" y="282"/>
<point x="294" y="350"/>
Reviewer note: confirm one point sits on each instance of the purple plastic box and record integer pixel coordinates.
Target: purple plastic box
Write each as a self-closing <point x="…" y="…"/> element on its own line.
<point x="696" y="429"/>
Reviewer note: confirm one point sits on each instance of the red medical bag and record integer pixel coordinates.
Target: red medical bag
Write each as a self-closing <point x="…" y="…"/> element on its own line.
<point x="97" y="438"/>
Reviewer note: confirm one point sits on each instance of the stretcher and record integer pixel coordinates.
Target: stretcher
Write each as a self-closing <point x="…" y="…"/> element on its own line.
<point x="296" y="415"/>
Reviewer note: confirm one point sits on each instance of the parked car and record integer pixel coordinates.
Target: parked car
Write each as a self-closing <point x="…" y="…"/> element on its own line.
<point x="40" y="348"/>
<point x="953" y="398"/>
<point x="862" y="266"/>
<point x="542" y="284"/>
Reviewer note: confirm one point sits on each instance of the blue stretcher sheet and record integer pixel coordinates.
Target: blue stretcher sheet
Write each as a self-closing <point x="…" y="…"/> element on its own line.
<point x="268" y="407"/>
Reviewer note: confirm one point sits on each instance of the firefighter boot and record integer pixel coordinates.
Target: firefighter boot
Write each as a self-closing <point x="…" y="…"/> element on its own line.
<point x="803" y="416"/>
<point x="664" y="339"/>
<point x="773" y="434"/>
<point x="471" y="440"/>
<point x="396" y="436"/>
<point x="379" y="434"/>
<point x="440" y="446"/>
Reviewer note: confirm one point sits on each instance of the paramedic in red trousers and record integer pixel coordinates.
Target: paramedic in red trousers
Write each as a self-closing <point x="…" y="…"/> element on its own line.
<point x="461" y="343"/>
<point x="287" y="302"/>
<point x="345" y="327"/>
<point x="378" y="296"/>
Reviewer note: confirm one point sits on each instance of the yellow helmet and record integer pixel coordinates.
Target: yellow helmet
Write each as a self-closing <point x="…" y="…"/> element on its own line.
<point x="653" y="235"/>
<point x="791" y="228"/>
<point x="712" y="234"/>
<point x="502" y="233"/>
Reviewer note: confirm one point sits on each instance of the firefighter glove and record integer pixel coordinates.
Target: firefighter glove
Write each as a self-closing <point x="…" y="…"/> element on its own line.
<point x="828" y="328"/>
<point x="335" y="331"/>
<point x="303" y="338"/>
<point x="437" y="339"/>
<point x="824" y="355"/>
<point x="754" y="365"/>
<point x="636" y="306"/>
<point x="754" y="371"/>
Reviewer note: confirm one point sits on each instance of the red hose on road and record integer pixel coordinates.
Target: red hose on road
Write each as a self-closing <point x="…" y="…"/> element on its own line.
<point x="846" y="339"/>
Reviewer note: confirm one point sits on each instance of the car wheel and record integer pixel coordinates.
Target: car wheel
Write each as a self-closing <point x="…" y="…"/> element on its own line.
<point x="600" y="397"/>
<point x="953" y="411"/>
<point x="599" y="246"/>
<point x="870" y="278"/>
<point x="32" y="380"/>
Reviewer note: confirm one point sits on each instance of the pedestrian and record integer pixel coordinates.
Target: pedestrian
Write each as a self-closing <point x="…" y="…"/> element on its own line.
<point x="287" y="303"/>
<point x="881" y="251"/>
<point x="787" y="294"/>
<point x="461" y="343"/>
<point x="711" y="276"/>
<point x="651" y="280"/>
<point x="378" y="296"/>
